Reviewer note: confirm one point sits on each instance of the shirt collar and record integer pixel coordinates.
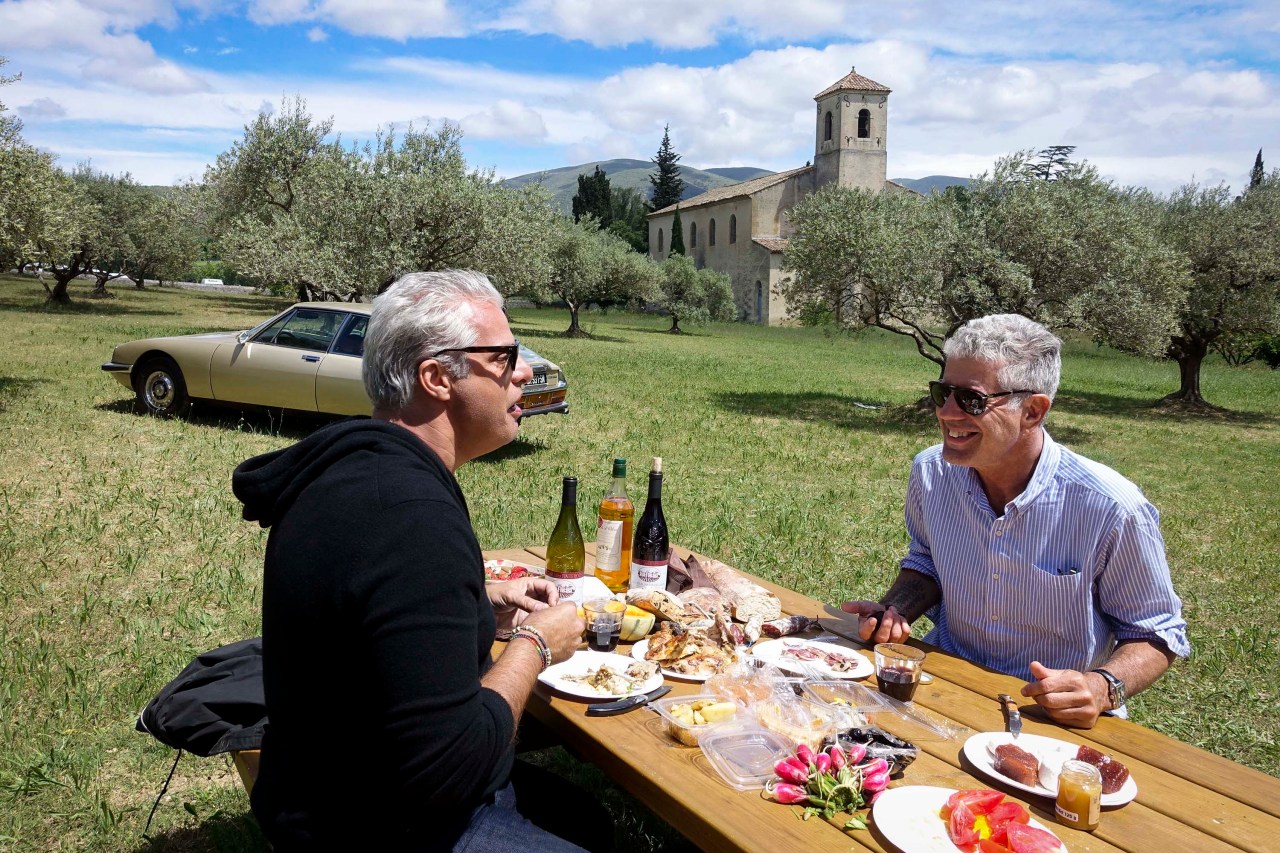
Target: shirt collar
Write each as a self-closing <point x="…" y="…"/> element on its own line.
<point x="1046" y="470"/>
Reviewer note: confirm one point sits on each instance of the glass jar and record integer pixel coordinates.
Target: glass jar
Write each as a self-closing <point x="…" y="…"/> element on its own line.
<point x="1079" y="795"/>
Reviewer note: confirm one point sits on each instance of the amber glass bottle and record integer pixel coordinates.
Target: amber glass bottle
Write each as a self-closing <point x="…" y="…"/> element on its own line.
<point x="613" y="532"/>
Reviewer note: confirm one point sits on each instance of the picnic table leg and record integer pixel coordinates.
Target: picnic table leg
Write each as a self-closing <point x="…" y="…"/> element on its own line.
<point x="246" y="762"/>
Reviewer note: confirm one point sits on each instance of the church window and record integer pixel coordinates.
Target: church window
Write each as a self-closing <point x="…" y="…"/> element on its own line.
<point x="826" y="127"/>
<point x="693" y="234"/>
<point x="659" y="241"/>
<point x="864" y="123"/>
<point x="759" y="301"/>
<point x="711" y="233"/>
<point x="733" y="228"/>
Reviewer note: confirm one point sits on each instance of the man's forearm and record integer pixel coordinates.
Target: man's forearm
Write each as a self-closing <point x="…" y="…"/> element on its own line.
<point x="912" y="594"/>
<point x="1138" y="663"/>
<point x="514" y="674"/>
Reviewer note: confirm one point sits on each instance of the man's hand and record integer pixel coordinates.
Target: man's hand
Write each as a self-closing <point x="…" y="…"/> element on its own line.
<point x="514" y="600"/>
<point x="562" y="627"/>
<point x="1067" y="696"/>
<point x="877" y="623"/>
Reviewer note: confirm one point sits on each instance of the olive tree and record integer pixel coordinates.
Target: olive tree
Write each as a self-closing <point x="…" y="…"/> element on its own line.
<point x="588" y="265"/>
<point x="691" y="295"/>
<point x="1233" y="250"/>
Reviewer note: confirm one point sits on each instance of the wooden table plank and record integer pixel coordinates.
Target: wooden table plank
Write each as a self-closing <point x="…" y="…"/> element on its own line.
<point x="1188" y="798"/>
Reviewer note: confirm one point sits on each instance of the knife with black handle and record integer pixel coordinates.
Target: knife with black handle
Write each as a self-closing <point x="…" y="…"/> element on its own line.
<point x="622" y="706"/>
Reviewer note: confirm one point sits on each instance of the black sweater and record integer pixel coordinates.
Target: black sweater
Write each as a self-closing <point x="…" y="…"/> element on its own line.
<point x="376" y="630"/>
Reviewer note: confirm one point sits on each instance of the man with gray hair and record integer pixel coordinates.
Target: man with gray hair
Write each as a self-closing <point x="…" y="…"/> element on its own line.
<point x="1029" y="559"/>
<point x="391" y="727"/>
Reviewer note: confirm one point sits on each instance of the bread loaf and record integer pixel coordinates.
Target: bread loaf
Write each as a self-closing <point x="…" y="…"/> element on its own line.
<point x="748" y="599"/>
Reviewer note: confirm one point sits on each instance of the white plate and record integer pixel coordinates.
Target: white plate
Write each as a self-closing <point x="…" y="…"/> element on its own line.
<point x="772" y="651"/>
<point x="908" y="817"/>
<point x="1050" y="751"/>
<point x="581" y="663"/>
<point x="492" y="568"/>
<point x="642" y="646"/>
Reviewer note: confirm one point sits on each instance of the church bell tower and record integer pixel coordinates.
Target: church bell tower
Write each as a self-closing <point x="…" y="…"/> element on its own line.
<point x="851" y="141"/>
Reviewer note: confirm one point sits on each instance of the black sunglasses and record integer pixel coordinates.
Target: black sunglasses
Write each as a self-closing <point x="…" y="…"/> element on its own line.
<point x="512" y="351"/>
<point x="970" y="401"/>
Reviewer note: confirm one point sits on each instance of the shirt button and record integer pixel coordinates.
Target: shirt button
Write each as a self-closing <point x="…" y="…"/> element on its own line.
<point x="994" y="617"/>
<point x="995" y="577"/>
<point x="1000" y="531"/>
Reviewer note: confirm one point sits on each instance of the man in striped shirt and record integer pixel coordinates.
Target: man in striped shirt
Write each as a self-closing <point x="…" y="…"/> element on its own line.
<point x="1029" y="559"/>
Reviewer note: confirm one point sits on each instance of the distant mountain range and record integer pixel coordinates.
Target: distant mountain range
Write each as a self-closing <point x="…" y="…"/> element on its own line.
<point x="562" y="183"/>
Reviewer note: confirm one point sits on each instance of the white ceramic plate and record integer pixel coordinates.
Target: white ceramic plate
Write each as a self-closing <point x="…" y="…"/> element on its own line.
<point x="581" y="663"/>
<point x="773" y="652"/>
<point x="496" y="571"/>
<point x="1050" y="751"/>
<point x="908" y="817"/>
<point x="638" y="652"/>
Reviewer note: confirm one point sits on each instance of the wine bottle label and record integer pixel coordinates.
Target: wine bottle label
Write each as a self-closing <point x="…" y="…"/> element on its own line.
<point x="569" y="584"/>
<point x="648" y="574"/>
<point x="608" y="545"/>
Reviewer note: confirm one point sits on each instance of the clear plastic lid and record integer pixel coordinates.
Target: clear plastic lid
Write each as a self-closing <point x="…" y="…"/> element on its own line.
<point x="908" y="721"/>
<point x="744" y="758"/>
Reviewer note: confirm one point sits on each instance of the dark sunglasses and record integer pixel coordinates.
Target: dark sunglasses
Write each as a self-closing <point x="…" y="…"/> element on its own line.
<point x="970" y="401"/>
<point x="511" y="351"/>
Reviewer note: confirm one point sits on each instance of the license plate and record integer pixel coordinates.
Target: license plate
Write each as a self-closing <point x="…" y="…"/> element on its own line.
<point x="538" y="379"/>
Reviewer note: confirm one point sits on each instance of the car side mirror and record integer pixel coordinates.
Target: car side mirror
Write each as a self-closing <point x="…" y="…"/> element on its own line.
<point x="243" y="337"/>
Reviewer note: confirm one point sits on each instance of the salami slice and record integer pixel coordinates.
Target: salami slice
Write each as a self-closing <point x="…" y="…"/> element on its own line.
<point x="786" y="626"/>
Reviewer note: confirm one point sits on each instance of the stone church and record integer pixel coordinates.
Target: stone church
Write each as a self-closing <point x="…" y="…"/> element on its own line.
<point x="742" y="229"/>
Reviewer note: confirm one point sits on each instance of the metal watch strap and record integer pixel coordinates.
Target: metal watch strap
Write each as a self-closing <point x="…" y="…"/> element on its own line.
<point x="1115" y="688"/>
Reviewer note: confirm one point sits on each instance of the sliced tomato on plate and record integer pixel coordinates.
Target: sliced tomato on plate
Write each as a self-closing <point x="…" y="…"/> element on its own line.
<point x="1002" y="816"/>
<point x="1028" y="839"/>
<point x="990" y="845"/>
<point x="977" y="800"/>
<point x="960" y="826"/>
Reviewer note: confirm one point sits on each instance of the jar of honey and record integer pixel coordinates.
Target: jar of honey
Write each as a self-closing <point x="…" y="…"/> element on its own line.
<point x="1079" y="795"/>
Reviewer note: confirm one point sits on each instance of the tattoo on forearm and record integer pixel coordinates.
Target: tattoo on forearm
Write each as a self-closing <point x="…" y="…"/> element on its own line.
<point x="911" y="595"/>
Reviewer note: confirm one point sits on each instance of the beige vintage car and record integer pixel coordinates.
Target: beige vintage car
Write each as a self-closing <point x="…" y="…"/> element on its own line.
<point x="307" y="357"/>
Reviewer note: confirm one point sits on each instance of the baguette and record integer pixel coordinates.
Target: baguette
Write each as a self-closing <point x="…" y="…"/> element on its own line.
<point x="748" y="600"/>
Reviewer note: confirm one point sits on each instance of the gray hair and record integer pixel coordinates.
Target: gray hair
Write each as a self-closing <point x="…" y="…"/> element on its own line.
<point x="1027" y="354"/>
<point x="421" y="313"/>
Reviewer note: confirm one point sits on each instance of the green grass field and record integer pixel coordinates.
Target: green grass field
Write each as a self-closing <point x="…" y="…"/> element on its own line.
<point x="122" y="551"/>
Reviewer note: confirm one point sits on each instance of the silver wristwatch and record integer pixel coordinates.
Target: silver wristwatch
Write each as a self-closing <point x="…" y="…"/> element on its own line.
<point x="1115" y="688"/>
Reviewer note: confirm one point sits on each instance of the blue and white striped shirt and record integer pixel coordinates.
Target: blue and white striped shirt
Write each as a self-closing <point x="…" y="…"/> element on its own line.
<point x="1075" y="563"/>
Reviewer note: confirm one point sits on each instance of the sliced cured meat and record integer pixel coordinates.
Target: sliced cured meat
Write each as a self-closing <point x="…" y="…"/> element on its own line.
<point x="786" y="626"/>
<point x="1018" y="764"/>
<point x="1028" y="839"/>
<point x="1114" y="773"/>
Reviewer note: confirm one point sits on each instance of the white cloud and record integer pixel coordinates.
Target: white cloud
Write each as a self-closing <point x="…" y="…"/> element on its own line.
<point x="190" y="49"/>
<point x="43" y="108"/>
<point x="317" y="34"/>
<point x="394" y="19"/>
<point x="506" y="120"/>
<point x="227" y="51"/>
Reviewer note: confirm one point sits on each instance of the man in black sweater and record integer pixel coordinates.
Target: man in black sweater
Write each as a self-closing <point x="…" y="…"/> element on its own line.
<point x="391" y="728"/>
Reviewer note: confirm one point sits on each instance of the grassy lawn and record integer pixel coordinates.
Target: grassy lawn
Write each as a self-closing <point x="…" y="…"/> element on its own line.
<point x="122" y="551"/>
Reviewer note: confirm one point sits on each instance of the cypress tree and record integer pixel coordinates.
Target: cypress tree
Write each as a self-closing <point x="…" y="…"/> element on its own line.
<point x="594" y="198"/>
<point x="1256" y="176"/>
<point x="677" y="235"/>
<point x="668" y="186"/>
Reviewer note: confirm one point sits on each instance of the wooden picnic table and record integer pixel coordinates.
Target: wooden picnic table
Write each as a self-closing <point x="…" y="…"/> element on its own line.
<point x="1188" y="799"/>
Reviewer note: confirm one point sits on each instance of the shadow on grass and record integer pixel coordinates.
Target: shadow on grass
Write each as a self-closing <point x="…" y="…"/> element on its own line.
<point x="285" y="423"/>
<point x="220" y="833"/>
<point x="96" y="307"/>
<point x="833" y="409"/>
<point x="1095" y="403"/>
<point x="526" y="334"/>
<point x="515" y="450"/>
<point x="15" y="387"/>
<point x="683" y="333"/>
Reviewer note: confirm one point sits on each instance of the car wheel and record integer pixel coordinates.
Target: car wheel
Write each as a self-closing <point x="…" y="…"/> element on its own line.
<point x="160" y="388"/>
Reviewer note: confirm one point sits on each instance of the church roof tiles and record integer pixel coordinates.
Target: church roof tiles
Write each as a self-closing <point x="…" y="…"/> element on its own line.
<point x="773" y="244"/>
<point x="853" y="82"/>
<point x="733" y="190"/>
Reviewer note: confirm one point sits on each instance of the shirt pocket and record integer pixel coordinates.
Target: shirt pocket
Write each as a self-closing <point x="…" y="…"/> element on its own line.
<point x="1052" y="601"/>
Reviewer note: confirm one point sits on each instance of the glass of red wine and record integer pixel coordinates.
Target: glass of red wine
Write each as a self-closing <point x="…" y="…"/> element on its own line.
<point x="898" y="670"/>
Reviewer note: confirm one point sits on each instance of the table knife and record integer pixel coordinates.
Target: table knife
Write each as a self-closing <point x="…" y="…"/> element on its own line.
<point x="1012" y="719"/>
<point x="622" y="706"/>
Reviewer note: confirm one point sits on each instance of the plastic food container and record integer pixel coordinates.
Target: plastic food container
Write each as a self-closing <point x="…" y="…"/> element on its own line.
<point x="745" y="758"/>
<point x="909" y="722"/>
<point x="797" y="720"/>
<point x="690" y="734"/>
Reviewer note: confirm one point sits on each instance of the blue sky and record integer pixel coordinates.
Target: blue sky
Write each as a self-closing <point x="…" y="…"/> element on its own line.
<point x="1153" y="93"/>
